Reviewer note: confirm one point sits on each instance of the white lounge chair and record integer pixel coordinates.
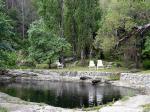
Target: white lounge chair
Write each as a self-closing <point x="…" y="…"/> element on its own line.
<point x="92" y="64"/>
<point x="59" y="65"/>
<point x="100" y="64"/>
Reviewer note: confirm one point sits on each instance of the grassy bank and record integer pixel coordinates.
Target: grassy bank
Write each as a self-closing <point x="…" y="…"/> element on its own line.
<point x="77" y="68"/>
<point x="146" y="108"/>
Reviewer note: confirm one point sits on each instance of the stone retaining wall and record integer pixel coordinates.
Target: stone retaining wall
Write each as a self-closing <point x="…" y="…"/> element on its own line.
<point x="140" y="80"/>
<point x="75" y="73"/>
<point x="47" y="75"/>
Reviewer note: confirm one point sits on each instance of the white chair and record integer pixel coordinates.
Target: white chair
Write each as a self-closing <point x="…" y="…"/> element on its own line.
<point x="92" y="64"/>
<point x="59" y="65"/>
<point x="100" y="64"/>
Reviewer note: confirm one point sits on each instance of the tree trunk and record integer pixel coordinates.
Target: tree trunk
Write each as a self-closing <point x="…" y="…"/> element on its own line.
<point x="82" y="57"/>
<point x="91" y="52"/>
<point x="74" y="36"/>
<point x="62" y="29"/>
<point x="49" y="64"/>
<point x="12" y="3"/>
<point x="7" y="4"/>
<point x="23" y="20"/>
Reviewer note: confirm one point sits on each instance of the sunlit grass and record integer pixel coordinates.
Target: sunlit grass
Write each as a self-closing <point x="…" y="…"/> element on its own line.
<point x="146" y="108"/>
<point x="97" y="107"/>
<point x="77" y="68"/>
<point x="145" y="72"/>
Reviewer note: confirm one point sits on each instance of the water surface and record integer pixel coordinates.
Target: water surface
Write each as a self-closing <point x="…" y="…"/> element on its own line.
<point x="64" y="94"/>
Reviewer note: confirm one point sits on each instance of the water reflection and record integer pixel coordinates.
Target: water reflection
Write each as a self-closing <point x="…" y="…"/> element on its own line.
<point x="66" y="95"/>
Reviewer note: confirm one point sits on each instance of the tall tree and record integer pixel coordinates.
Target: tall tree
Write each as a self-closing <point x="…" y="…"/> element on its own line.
<point x="82" y="21"/>
<point x="6" y="36"/>
<point x="118" y="21"/>
<point x="71" y="25"/>
<point x="45" y="49"/>
<point x="87" y="17"/>
<point x="23" y="13"/>
<point x="52" y="11"/>
<point x="23" y="18"/>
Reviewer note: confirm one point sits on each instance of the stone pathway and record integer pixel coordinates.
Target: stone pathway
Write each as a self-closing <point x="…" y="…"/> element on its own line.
<point x="134" y="104"/>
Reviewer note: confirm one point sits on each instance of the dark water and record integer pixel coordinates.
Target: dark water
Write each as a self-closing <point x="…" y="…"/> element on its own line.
<point x="66" y="95"/>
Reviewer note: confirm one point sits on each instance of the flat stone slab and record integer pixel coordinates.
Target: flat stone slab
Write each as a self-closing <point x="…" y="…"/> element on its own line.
<point x="134" y="104"/>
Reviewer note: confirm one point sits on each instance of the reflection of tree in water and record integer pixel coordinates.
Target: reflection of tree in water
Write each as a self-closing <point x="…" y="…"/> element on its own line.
<point x="94" y="96"/>
<point x="110" y="94"/>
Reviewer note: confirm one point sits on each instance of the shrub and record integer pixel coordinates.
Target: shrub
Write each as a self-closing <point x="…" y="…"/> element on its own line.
<point x="146" y="108"/>
<point x="115" y="77"/>
<point x="118" y="64"/>
<point x="146" y="64"/>
<point x="27" y="63"/>
<point x="8" y="59"/>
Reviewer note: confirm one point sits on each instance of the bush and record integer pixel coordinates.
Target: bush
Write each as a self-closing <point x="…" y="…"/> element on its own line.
<point x="8" y="59"/>
<point x="42" y="66"/>
<point x="115" y="77"/>
<point x="146" y="108"/>
<point x="26" y="63"/>
<point x="118" y="64"/>
<point x="146" y="64"/>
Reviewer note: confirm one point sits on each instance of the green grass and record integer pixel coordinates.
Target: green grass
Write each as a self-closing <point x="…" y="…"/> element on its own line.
<point x="145" y="72"/>
<point x="115" y="77"/>
<point x="3" y="109"/>
<point x="97" y="107"/>
<point x="78" y="68"/>
<point x="125" y="98"/>
<point x="146" y="108"/>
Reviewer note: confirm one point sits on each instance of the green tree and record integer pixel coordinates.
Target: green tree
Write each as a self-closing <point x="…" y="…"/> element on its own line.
<point x="52" y="12"/>
<point x="146" y="50"/>
<point x="82" y="20"/>
<point x="118" y="21"/>
<point x="71" y="25"/>
<point x="6" y="37"/>
<point x="44" y="46"/>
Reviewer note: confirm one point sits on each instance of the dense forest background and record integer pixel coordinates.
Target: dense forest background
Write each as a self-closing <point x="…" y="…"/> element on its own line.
<point x="39" y="32"/>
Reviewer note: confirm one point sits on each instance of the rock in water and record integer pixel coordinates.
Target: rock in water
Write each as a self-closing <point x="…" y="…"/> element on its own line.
<point x="96" y="81"/>
<point x="84" y="78"/>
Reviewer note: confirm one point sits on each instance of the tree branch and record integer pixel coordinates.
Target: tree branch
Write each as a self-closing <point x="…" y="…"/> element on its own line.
<point x="135" y="30"/>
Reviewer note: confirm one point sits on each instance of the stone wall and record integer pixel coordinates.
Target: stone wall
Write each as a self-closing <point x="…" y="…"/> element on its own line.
<point x="47" y="75"/>
<point x="75" y="73"/>
<point x="139" y="80"/>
